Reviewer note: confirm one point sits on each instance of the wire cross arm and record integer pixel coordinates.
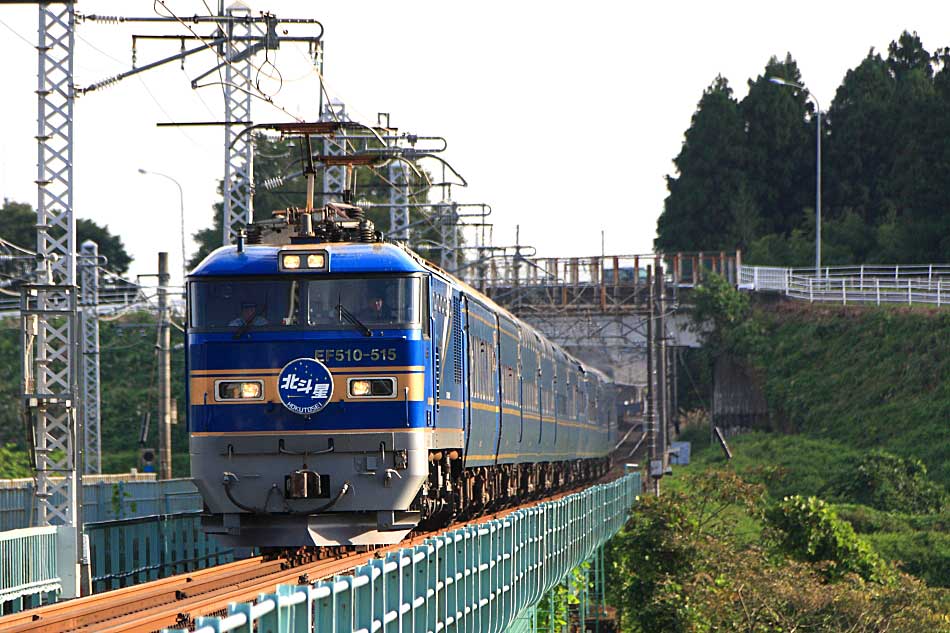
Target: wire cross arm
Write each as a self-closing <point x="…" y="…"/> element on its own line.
<point x="270" y="40"/>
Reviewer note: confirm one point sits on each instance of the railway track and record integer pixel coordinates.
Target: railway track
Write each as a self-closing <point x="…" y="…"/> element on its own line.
<point x="176" y="601"/>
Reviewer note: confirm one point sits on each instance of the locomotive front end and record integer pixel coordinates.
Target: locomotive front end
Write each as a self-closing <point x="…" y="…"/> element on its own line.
<point x="310" y="390"/>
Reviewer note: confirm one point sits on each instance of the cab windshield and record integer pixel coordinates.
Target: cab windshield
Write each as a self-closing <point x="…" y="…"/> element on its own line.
<point x="311" y="302"/>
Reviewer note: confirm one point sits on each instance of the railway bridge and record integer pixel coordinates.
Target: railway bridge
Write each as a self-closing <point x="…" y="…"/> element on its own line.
<point x="488" y="575"/>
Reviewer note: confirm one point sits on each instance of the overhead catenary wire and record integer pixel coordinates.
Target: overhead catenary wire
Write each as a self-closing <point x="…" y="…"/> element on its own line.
<point x="17" y="33"/>
<point x="263" y="96"/>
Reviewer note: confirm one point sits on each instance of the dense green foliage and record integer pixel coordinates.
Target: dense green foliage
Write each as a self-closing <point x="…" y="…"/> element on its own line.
<point x="867" y="378"/>
<point x="746" y="171"/>
<point x="685" y="563"/>
<point x="129" y="390"/>
<point x="865" y="391"/>
<point x="809" y="529"/>
<point x="14" y="462"/>
<point x="554" y="608"/>
<point x="18" y="225"/>
<point x="789" y="465"/>
<point x="891" y="483"/>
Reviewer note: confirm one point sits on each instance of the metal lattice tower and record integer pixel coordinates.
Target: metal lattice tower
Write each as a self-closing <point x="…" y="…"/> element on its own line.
<point x="449" y="236"/>
<point x="89" y="302"/>
<point x="238" y="147"/>
<point x="48" y="310"/>
<point x="334" y="177"/>
<point x="399" y="201"/>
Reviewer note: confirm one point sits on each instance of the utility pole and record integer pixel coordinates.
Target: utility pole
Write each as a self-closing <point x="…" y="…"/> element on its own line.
<point x="656" y="465"/>
<point x="399" y="201"/>
<point x="89" y="319"/>
<point x="661" y="355"/>
<point x="48" y="308"/>
<point x="163" y="349"/>
<point x="659" y="363"/>
<point x="334" y="176"/>
<point x="238" y="147"/>
<point x="674" y="387"/>
<point x="449" y="226"/>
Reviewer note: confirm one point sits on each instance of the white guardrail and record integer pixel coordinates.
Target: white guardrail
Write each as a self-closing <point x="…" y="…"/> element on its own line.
<point x="927" y="284"/>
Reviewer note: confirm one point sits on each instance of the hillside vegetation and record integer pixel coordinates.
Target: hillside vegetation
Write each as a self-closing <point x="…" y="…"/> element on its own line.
<point x="836" y="518"/>
<point x="863" y="377"/>
<point x="860" y="402"/>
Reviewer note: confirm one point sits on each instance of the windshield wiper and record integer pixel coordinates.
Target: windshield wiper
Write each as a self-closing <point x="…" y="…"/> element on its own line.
<point x="351" y="318"/>
<point x="246" y="325"/>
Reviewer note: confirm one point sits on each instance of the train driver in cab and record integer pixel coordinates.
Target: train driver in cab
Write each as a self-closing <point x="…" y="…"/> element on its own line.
<point x="376" y="309"/>
<point x="250" y="316"/>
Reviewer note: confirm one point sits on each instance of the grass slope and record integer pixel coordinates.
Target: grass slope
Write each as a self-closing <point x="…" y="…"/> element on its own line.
<point x="861" y="378"/>
<point x="851" y="382"/>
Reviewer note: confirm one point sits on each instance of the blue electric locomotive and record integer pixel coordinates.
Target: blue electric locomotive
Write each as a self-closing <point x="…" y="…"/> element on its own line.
<point x="343" y="390"/>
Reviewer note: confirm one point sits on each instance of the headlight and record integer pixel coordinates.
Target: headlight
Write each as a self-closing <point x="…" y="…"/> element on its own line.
<point x="359" y="388"/>
<point x="239" y="390"/>
<point x="291" y="262"/>
<point x="303" y="261"/>
<point x="372" y="387"/>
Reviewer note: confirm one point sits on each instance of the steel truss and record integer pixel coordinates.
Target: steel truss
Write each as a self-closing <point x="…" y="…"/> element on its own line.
<point x="238" y="147"/>
<point x="449" y="236"/>
<point x="48" y="309"/>
<point x="399" y="199"/>
<point x="334" y="176"/>
<point x="89" y="302"/>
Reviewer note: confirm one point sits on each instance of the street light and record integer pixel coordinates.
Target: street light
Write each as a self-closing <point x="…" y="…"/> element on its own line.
<point x="783" y="82"/>
<point x="181" y="204"/>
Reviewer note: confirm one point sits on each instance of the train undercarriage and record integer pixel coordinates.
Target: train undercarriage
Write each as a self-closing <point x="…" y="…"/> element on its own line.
<point x="454" y="493"/>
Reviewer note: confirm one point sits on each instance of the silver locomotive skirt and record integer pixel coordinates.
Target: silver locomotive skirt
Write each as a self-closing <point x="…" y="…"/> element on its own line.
<point x="368" y="480"/>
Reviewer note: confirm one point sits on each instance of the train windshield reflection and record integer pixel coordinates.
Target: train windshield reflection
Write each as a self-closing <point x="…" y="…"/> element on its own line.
<point x="305" y="302"/>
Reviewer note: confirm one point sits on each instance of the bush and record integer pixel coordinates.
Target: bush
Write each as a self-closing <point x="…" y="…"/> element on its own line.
<point x="891" y="483"/>
<point x="682" y="565"/>
<point x="923" y="554"/>
<point x="809" y="530"/>
<point x="866" y="520"/>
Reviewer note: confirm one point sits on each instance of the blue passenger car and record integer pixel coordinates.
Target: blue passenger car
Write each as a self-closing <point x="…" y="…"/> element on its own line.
<point x="345" y="392"/>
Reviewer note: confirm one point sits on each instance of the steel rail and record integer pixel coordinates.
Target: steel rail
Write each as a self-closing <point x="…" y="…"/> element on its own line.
<point x="61" y="616"/>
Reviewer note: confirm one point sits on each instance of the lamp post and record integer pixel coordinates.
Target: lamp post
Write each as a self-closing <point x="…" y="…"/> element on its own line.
<point x="783" y="82"/>
<point x="181" y="204"/>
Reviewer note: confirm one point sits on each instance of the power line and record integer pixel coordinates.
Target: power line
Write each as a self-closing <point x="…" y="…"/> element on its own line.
<point x="15" y="32"/>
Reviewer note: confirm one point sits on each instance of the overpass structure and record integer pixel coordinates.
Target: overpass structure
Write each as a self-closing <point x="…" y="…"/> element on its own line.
<point x="619" y="313"/>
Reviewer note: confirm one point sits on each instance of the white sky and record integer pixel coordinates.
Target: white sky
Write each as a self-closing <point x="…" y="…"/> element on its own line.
<point x="563" y="116"/>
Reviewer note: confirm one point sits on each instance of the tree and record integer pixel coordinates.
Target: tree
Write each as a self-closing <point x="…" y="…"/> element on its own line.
<point x="18" y="225"/>
<point x="885" y="198"/>
<point x="860" y="150"/>
<point x="710" y="190"/>
<point x="780" y="165"/>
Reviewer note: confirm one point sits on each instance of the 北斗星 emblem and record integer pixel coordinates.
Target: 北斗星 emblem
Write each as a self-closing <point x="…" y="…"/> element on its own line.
<point x="305" y="386"/>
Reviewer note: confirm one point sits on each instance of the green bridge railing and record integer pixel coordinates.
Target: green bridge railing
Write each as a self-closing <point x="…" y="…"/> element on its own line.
<point x="477" y="578"/>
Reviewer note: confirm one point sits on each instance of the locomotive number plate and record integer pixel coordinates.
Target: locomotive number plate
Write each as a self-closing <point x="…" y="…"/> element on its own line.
<point x="356" y="355"/>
